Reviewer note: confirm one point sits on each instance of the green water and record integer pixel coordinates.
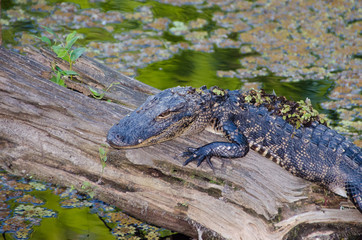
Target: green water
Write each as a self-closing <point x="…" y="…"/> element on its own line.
<point x="193" y="69"/>
<point x="70" y="223"/>
<point x="197" y="69"/>
<point x="35" y="210"/>
<point x="187" y="67"/>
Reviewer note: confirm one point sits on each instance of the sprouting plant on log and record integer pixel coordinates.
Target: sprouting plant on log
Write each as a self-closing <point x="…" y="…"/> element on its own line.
<point x="103" y="155"/>
<point x="65" y="51"/>
<point x="98" y="95"/>
<point x="88" y="189"/>
<point x="103" y="150"/>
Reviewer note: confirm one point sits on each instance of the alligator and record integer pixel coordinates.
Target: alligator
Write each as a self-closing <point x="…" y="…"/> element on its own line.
<point x="283" y="131"/>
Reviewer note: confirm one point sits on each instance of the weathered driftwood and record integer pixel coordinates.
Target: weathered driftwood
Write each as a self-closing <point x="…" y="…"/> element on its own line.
<point x="53" y="133"/>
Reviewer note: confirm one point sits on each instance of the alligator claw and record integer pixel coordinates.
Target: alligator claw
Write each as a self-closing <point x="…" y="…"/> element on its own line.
<point x="208" y="160"/>
<point x="195" y="154"/>
<point x="190" y="152"/>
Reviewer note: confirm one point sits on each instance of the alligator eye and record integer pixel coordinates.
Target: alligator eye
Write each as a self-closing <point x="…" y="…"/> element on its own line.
<point x="165" y="114"/>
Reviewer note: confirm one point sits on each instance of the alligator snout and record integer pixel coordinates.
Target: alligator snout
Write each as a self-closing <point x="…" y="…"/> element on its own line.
<point x="128" y="133"/>
<point x="115" y="139"/>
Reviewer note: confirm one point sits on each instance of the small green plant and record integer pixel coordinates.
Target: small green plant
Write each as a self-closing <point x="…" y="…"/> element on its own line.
<point x="301" y="113"/>
<point x="256" y="97"/>
<point x="64" y="51"/>
<point x="87" y="187"/>
<point x="218" y="91"/>
<point x="57" y="76"/>
<point x="103" y="156"/>
<point x="183" y="205"/>
<point x="98" y="95"/>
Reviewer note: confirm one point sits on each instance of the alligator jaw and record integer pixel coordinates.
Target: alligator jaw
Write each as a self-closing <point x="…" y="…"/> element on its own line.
<point x="116" y="140"/>
<point x="162" y="117"/>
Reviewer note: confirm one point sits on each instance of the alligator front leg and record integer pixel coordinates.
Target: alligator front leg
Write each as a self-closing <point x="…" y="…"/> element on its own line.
<point x="238" y="147"/>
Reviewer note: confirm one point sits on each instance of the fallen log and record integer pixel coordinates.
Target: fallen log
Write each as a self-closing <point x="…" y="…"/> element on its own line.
<point x="54" y="134"/>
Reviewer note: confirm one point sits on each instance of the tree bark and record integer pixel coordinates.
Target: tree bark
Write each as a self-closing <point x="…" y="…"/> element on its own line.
<point x="54" y="134"/>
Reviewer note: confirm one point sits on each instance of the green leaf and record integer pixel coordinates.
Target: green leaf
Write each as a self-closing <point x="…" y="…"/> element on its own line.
<point x="248" y="98"/>
<point x="91" y="194"/>
<point x="58" y="79"/>
<point x="76" y="54"/>
<point x="102" y="152"/>
<point x="62" y="83"/>
<point x="94" y="92"/>
<point x="44" y="39"/>
<point x="70" y="72"/>
<point x="166" y="233"/>
<point x="85" y="185"/>
<point x="61" y="72"/>
<point x="308" y="101"/>
<point x="54" y="79"/>
<point x="218" y="92"/>
<point x="60" y="51"/>
<point x="49" y="30"/>
<point x="71" y="41"/>
<point x="96" y="95"/>
<point x="70" y="36"/>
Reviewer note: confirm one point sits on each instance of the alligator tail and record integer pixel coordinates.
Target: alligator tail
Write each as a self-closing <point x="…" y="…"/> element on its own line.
<point x="354" y="193"/>
<point x="265" y="152"/>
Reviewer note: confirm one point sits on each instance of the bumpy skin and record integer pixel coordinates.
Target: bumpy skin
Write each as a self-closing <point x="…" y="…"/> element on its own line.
<point x="315" y="153"/>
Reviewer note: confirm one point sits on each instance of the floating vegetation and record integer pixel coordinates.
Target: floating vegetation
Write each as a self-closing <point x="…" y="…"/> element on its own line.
<point x="19" y="186"/>
<point x="179" y="28"/>
<point x="23" y="211"/>
<point x="308" y="40"/>
<point x="38" y="186"/>
<point x="75" y="203"/>
<point x="30" y="211"/>
<point x="26" y="198"/>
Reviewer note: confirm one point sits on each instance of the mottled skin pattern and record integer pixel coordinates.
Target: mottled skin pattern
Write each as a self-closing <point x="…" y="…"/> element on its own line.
<point x="315" y="153"/>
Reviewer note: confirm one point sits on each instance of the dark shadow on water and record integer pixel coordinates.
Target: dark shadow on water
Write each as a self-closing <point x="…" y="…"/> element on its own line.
<point x="316" y="90"/>
<point x="191" y="68"/>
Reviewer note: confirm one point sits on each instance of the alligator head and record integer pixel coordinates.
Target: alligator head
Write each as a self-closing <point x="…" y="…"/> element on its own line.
<point x="168" y="114"/>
